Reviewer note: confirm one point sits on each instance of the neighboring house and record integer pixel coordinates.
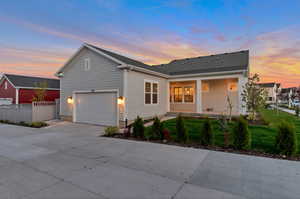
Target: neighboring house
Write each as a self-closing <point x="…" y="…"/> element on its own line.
<point x="273" y="89"/>
<point x="102" y="87"/>
<point x="19" y="89"/>
<point x="287" y="95"/>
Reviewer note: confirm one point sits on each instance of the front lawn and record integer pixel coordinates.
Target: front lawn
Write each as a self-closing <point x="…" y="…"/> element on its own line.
<point x="262" y="136"/>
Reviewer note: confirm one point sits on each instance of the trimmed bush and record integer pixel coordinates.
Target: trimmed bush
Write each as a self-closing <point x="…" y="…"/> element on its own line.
<point x="297" y="111"/>
<point x="111" y="131"/>
<point x="182" y="135"/>
<point x="138" y="128"/>
<point x="207" y="137"/>
<point x="157" y="128"/>
<point x="37" y="124"/>
<point x="241" y="135"/>
<point x="166" y="134"/>
<point x="286" y="143"/>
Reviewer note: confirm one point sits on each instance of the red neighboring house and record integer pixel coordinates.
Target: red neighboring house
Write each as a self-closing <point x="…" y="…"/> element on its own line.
<point x="21" y="89"/>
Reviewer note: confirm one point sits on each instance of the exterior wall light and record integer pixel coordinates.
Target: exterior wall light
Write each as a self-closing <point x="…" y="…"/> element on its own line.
<point x="121" y="100"/>
<point x="70" y="100"/>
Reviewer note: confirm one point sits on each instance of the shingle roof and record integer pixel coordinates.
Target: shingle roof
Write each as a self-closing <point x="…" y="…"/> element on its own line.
<point x="126" y="60"/>
<point x="203" y="64"/>
<point x="27" y="81"/>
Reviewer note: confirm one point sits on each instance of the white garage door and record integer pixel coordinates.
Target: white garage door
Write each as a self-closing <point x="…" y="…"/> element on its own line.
<point x="96" y="108"/>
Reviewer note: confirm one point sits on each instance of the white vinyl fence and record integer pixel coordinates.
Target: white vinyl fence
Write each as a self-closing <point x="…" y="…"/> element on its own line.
<point x="35" y="112"/>
<point x="43" y="111"/>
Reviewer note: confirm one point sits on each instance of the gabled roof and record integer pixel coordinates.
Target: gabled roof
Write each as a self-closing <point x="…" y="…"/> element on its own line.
<point x="226" y="62"/>
<point x="127" y="60"/>
<point x="21" y="81"/>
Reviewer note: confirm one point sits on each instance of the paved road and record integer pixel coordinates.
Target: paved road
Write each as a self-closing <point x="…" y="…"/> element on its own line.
<point x="70" y="161"/>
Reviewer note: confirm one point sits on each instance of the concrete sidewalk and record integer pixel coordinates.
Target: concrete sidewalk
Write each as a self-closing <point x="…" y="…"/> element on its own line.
<point x="71" y="161"/>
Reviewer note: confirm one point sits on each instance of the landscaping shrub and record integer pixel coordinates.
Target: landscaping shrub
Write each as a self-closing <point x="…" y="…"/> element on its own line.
<point x="206" y="137"/>
<point x="138" y="127"/>
<point x="37" y="124"/>
<point x="286" y="142"/>
<point x="297" y="111"/>
<point x="241" y="135"/>
<point x="182" y="134"/>
<point x="157" y="128"/>
<point x="111" y="131"/>
<point x="127" y="132"/>
<point x="166" y="134"/>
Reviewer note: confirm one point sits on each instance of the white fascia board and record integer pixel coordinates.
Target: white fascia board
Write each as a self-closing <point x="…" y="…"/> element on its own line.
<point x="68" y="61"/>
<point x="143" y="70"/>
<point x="223" y="76"/>
<point x="104" y="54"/>
<point x="208" y="74"/>
<point x="5" y="77"/>
<point x="21" y="87"/>
<point x="91" y="48"/>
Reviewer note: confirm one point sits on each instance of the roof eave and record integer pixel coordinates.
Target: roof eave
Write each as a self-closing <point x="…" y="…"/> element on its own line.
<point x="244" y="72"/>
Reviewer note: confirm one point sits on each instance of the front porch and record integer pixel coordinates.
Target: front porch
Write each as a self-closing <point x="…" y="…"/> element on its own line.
<point x="205" y="96"/>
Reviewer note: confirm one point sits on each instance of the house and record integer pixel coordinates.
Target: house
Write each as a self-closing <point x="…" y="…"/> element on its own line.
<point x="102" y="87"/>
<point x="287" y="95"/>
<point x="19" y="89"/>
<point x="273" y="89"/>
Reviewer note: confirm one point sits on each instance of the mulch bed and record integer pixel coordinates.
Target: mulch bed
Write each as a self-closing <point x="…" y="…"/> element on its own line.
<point x="213" y="148"/>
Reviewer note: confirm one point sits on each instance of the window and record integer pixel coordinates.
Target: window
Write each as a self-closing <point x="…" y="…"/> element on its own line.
<point x="232" y="86"/>
<point x="270" y="98"/>
<point x="151" y="92"/>
<point x="87" y="64"/>
<point x="177" y="94"/>
<point x="183" y="94"/>
<point x="154" y="93"/>
<point x="205" y="87"/>
<point x="189" y="94"/>
<point x="5" y="85"/>
<point x="147" y="93"/>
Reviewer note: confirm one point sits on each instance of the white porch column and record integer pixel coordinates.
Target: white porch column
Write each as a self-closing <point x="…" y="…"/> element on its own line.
<point x="125" y="94"/>
<point x="199" y="96"/>
<point x="242" y="80"/>
<point x="168" y="96"/>
<point x="17" y="96"/>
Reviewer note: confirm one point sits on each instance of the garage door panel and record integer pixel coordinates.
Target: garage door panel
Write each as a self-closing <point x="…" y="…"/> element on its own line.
<point x="96" y="108"/>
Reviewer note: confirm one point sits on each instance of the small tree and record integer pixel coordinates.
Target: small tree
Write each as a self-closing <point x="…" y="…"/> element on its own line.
<point x="206" y="137"/>
<point x="253" y="96"/>
<point x="286" y="142"/>
<point x="157" y="128"/>
<point x="241" y="135"/>
<point x="230" y="107"/>
<point x="138" y="127"/>
<point x="181" y="131"/>
<point x="223" y="123"/>
<point x="40" y="91"/>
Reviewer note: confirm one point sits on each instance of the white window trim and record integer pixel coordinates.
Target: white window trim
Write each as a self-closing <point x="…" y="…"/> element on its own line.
<point x="151" y="93"/>
<point x="5" y="85"/>
<point x="86" y="64"/>
<point x="183" y="102"/>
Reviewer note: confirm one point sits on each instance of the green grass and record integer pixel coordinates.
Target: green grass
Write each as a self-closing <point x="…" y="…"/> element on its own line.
<point x="262" y="136"/>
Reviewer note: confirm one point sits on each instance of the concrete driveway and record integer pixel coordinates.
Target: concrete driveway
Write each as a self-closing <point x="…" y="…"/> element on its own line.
<point x="70" y="161"/>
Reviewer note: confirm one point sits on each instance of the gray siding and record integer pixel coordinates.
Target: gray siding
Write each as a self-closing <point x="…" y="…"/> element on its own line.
<point x="103" y="75"/>
<point x="135" y="96"/>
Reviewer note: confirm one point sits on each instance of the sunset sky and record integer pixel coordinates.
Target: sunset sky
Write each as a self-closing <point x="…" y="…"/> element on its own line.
<point x="38" y="36"/>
